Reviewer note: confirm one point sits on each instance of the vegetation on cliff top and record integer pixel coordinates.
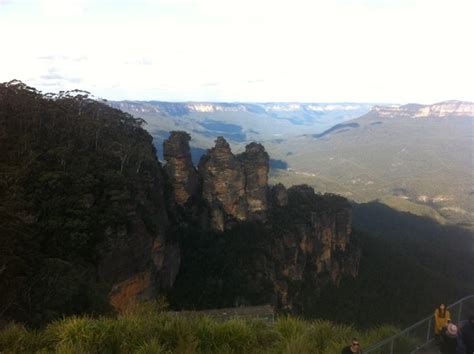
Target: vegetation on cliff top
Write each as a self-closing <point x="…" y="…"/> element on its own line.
<point x="67" y="168"/>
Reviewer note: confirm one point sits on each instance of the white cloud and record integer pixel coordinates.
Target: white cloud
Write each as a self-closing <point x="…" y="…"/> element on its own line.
<point x="302" y="50"/>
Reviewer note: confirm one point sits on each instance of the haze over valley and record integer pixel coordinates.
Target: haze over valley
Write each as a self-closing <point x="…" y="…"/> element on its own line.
<point x="414" y="158"/>
<point x="246" y="177"/>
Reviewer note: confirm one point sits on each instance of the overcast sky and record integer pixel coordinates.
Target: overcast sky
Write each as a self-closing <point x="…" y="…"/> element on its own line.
<point x="396" y="51"/>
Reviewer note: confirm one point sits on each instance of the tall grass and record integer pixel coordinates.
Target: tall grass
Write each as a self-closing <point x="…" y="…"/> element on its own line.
<point x="149" y="329"/>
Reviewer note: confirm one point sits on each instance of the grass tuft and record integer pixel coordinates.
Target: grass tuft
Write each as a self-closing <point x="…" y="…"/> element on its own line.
<point x="150" y="329"/>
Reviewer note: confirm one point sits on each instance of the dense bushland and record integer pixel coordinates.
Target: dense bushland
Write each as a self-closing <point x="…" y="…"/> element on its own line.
<point x="68" y="167"/>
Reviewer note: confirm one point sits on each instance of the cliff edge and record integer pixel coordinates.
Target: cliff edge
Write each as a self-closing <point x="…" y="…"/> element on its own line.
<point x="290" y="242"/>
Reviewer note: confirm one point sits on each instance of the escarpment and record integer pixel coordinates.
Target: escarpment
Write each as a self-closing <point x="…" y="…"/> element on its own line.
<point x="262" y="244"/>
<point x="85" y="193"/>
<point x="311" y="244"/>
<point x="101" y="222"/>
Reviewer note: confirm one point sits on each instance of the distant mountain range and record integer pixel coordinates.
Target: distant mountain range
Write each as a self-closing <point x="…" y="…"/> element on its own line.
<point x="413" y="157"/>
<point x="240" y="122"/>
<point x="184" y="108"/>
<point x="438" y="110"/>
<point x="245" y="122"/>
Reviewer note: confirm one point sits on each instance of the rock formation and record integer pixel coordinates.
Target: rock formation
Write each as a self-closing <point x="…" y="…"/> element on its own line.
<point x="255" y="164"/>
<point x="300" y="241"/>
<point x="179" y="166"/>
<point x="279" y="195"/>
<point x="223" y="185"/>
<point x="103" y="220"/>
<point x="311" y="244"/>
<point x="234" y="187"/>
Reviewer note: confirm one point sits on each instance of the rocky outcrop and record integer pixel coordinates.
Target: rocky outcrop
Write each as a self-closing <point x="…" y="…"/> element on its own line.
<point x="255" y="164"/>
<point x="279" y="195"/>
<point x="296" y="241"/>
<point x="179" y="167"/>
<point x="234" y="187"/>
<point x="312" y="244"/>
<point x="223" y="185"/>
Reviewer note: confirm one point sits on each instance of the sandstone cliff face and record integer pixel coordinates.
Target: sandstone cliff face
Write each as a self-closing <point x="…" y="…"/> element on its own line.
<point x="279" y="195"/>
<point x="224" y="186"/>
<point x="255" y="164"/>
<point x="234" y="187"/>
<point x="296" y="241"/>
<point x="179" y="167"/>
<point x="138" y="258"/>
<point x="89" y="195"/>
<point x="312" y="245"/>
<point x="299" y="243"/>
<point x="438" y="110"/>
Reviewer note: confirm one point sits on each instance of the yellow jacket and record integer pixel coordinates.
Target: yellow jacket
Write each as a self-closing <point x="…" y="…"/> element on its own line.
<point x="441" y="322"/>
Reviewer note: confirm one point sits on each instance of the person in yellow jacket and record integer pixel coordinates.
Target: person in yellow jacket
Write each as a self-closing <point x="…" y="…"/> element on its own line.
<point x="442" y="318"/>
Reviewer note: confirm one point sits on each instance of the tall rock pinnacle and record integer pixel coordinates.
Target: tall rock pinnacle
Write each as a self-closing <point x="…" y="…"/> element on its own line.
<point x="179" y="166"/>
<point x="255" y="163"/>
<point x="223" y="184"/>
<point x="234" y="187"/>
<point x="303" y="239"/>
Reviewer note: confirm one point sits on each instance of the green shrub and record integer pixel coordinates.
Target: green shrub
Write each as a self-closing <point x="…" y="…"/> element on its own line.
<point x="234" y="335"/>
<point x="290" y="327"/>
<point x="141" y="332"/>
<point x="151" y="347"/>
<point x="15" y="338"/>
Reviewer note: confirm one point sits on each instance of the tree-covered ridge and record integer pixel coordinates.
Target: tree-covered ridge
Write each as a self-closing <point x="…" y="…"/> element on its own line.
<point x="71" y="172"/>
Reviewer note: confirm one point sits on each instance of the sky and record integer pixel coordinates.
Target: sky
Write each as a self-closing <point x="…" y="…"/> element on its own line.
<point x="391" y="51"/>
